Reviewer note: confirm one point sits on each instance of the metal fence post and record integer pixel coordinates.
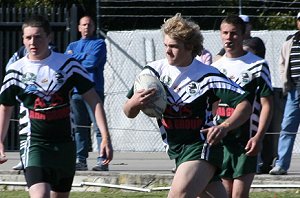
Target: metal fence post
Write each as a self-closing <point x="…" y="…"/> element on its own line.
<point x="73" y="23"/>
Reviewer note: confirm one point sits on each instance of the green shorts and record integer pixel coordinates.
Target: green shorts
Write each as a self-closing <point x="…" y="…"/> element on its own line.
<point x="60" y="157"/>
<point x="200" y="151"/>
<point x="236" y="163"/>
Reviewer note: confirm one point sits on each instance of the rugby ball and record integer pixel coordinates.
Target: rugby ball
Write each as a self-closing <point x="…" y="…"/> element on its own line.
<point x="158" y="103"/>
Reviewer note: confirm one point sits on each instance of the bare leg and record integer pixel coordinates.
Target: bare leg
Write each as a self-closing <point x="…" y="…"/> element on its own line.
<point x="214" y="190"/>
<point x="241" y="186"/>
<point x="191" y="178"/>
<point x="40" y="190"/>
<point x="228" y="184"/>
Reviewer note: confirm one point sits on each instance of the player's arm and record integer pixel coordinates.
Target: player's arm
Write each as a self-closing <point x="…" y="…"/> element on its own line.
<point x="254" y="144"/>
<point x="240" y="115"/>
<point x="5" y="114"/>
<point x="94" y="101"/>
<point x="138" y="100"/>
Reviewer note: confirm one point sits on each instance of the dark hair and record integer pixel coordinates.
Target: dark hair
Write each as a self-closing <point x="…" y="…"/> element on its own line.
<point x="257" y="46"/>
<point x="236" y="21"/>
<point x="37" y="21"/>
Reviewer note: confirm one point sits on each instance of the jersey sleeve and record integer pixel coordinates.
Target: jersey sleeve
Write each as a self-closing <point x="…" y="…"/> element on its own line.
<point x="130" y="93"/>
<point x="9" y="90"/>
<point x="264" y="82"/>
<point x="82" y="84"/>
<point x="8" y="96"/>
<point x="233" y="96"/>
<point x="228" y="91"/>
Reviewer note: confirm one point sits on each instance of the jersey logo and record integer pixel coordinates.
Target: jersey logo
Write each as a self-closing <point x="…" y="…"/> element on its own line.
<point x="166" y="80"/>
<point x="60" y="77"/>
<point x="28" y="77"/>
<point x="246" y="77"/>
<point x="192" y="88"/>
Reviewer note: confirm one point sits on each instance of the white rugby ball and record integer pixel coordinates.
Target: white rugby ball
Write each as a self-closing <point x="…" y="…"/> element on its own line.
<point x="158" y="103"/>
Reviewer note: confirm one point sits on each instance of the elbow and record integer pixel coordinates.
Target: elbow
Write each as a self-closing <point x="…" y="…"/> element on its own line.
<point x="129" y="113"/>
<point x="245" y="109"/>
<point x="126" y="113"/>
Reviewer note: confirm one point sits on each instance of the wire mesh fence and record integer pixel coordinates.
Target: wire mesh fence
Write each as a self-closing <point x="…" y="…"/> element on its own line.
<point x="129" y="52"/>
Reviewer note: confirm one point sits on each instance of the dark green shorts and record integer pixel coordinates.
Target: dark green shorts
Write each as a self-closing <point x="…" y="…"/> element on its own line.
<point x="236" y="163"/>
<point x="200" y="151"/>
<point x="59" y="157"/>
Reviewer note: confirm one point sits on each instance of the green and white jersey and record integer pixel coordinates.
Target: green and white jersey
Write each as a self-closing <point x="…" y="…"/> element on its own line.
<point x="191" y="91"/>
<point x="252" y="73"/>
<point x="42" y="88"/>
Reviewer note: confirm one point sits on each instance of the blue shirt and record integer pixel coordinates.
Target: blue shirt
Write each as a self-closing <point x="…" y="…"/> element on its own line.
<point x="91" y="53"/>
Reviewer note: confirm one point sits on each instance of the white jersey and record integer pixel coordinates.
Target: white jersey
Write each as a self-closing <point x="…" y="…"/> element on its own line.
<point x="191" y="91"/>
<point x="42" y="87"/>
<point x="252" y="73"/>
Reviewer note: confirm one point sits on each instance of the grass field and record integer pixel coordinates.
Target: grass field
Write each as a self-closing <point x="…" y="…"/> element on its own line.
<point x="117" y="193"/>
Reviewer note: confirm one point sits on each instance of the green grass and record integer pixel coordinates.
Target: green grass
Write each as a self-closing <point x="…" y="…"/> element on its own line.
<point x="162" y="194"/>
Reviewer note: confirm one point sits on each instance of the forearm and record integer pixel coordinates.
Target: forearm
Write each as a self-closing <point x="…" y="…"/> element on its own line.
<point x="5" y="114"/>
<point x="102" y="122"/>
<point x="240" y="115"/>
<point x="96" y="105"/>
<point x="130" y="109"/>
<point x="265" y="117"/>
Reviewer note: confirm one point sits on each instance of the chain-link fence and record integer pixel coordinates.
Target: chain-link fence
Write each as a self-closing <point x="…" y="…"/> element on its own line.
<point x="128" y="52"/>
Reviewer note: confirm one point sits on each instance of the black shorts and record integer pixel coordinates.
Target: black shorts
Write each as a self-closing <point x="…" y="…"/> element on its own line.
<point x="58" y="183"/>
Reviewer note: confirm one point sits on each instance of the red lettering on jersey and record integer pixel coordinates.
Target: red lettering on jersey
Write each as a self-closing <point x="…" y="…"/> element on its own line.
<point x="39" y="103"/>
<point x="188" y="124"/>
<point x="225" y="111"/>
<point x="37" y="115"/>
<point x="50" y="115"/>
<point x="56" y="100"/>
<point x="229" y="111"/>
<point x="221" y="111"/>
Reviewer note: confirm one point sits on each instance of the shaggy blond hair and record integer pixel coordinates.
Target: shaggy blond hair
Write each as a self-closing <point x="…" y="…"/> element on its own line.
<point x="184" y="30"/>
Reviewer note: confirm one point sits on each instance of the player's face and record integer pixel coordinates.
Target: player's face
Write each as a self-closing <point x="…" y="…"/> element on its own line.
<point x="176" y="53"/>
<point x="36" y="41"/>
<point x="232" y="39"/>
<point x="86" y="27"/>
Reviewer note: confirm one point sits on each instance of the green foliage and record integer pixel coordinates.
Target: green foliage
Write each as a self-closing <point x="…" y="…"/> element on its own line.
<point x="283" y="21"/>
<point x="45" y="3"/>
<point x="265" y="15"/>
<point x="25" y="3"/>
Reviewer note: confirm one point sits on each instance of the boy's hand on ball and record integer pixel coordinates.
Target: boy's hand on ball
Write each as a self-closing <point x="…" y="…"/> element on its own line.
<point x="147" y="96"/>
<point x="143" y="97"/>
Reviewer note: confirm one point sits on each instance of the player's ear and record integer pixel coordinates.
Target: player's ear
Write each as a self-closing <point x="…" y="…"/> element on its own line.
<point x="49" y="38"/>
